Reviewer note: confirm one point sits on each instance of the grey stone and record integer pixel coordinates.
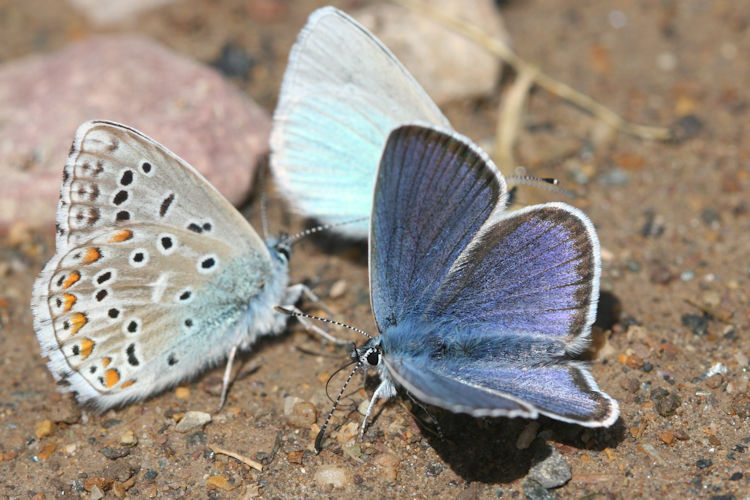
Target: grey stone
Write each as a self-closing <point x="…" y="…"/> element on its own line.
<point x="552" y="471"/>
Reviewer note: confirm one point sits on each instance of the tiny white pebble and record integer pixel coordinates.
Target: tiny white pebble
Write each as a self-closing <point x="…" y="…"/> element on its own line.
<point x="618" y="19"/>
<point x="666" y="61"/>
<point x="337" y="289"/>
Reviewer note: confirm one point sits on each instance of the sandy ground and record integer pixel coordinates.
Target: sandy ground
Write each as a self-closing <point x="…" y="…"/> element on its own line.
<point x="675" y="232"/>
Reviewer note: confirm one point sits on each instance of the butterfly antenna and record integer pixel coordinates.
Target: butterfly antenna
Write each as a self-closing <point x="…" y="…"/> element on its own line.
<point x="299" y="314"/>
<point x="263" y="200"/>
<point x="328" y="382"/>
<point x="307" y="232"/>
<point x="319" y="437"/>
<point x="548" y="183"/>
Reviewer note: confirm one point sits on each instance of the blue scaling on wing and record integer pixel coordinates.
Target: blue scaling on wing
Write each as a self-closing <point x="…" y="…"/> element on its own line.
<point x="480" y="309"/>
<point x="433" y="192"/>
<point x="534" y="271"/>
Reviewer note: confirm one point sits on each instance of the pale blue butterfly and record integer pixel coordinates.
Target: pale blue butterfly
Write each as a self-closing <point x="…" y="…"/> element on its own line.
<point x="342" y="94"/>
<point x="156" y="276"/>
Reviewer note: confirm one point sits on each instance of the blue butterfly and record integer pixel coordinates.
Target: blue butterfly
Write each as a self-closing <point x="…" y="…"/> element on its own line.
<point x="342" y="94"/>
<point x="480" y="310"/>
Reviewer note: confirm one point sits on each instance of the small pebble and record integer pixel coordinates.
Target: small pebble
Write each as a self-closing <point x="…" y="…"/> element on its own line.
<point x="667" y="437"/>
<point x="234" y="61"/>
<point x="182" y="393"/>
<point x="115" y="453"/>
<point x="335" y="475"/>
<point x="535" y="491"/>
<point x="697" y="323"/>
<point x="687" y="275"/>
<point x="681" y="435"/>
<point x="338" y="289"/>
<point x="686" y="127"/>
<point x="661" y="275"/>
<point x="303" y="414"/>
<point x="653" y="453"/>
<point x="96" y="493"/>
<point x="295" y="457"/>
<point x="665" y="403"/>
<point x="527" y="435"/>
<point x="704" y="463"/>
<point x="736" y="476"/>
<point x="630" y="384"/>
<point x="44" y="428"/>
<point x="47" y="450"/>
<point x="741" y="405"/>
<point x="192" y="420"/>
<point x="128" y="438"/>
<point x="347" y="432"/>
<point x="433" y="469"/>
<point x="715" y="381"/>
<point x="219" y="482"/>
<point x="387" y="466"/>
<point x="715" y="441"/>
<point x="289" y="403"/>
<point x="102" y="483"/>
<point x="552" y="471"/>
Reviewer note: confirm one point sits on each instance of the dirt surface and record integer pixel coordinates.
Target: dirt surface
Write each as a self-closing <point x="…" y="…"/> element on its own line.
<point x="675" y="232"/>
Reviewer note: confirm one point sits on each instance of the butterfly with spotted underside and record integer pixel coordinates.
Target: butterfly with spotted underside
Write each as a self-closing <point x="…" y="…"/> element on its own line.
<point x="155" y="278"/>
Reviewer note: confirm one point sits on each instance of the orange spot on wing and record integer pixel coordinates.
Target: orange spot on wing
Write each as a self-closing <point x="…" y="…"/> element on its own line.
<point x="87" y="345"/>
<point x="111" y="377"/>
<point x="122" y="235"/>
<point x="106" y="362"/>
<point x="77" y="320"/>
<point x="92" y="255"/>
<point x="71" y="279"/>
<point x="127" y="383"/>
<point x="69" y="299"/>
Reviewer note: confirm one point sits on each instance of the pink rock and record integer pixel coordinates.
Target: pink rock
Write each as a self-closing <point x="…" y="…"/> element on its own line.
<point x="180" y="103"/>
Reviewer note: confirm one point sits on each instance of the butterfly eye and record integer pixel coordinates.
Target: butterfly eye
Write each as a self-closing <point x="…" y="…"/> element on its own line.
<point x="373" y="357"/>
<point x="284" y="252"/>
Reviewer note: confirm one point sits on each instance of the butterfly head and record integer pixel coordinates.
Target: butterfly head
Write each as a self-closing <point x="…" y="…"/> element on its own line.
<point x="369" y="355"/>
<point x="281" y="247"/>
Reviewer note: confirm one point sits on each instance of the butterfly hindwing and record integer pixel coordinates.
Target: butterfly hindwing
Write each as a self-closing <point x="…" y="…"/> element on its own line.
<point x="534" y="271"/>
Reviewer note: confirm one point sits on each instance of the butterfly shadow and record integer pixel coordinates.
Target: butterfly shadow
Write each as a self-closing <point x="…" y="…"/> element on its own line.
<point x="487" y="449"/>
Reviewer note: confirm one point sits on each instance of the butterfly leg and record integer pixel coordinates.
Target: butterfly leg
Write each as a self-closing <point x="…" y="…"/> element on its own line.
<point x="300" y="289"/>
<point x="424" y="409"/>
<point x="386" y="390"/>
<point x="225" y="379"/>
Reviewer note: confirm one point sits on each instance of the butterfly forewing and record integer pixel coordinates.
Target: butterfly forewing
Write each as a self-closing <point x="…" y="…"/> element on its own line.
<point x="343" y="92"/>
<point x="424" y="216"/>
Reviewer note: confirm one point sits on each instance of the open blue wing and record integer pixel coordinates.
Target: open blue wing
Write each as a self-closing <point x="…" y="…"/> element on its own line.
<point x="479" y="309"/>
<point x="342" y="93"/>
<point x="534" y="271"/>
<point x="433" y="192"/>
